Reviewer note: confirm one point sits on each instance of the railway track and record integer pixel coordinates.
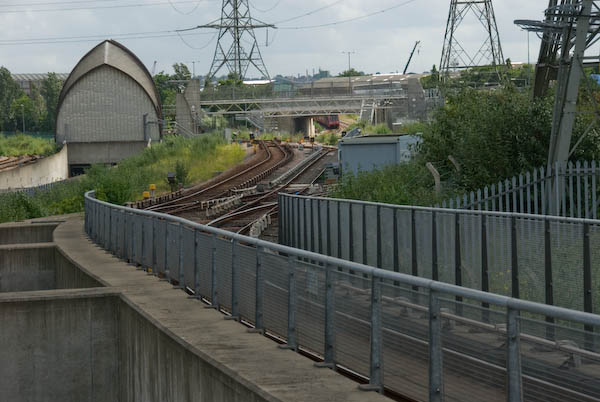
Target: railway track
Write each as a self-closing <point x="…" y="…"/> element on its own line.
<point x="272" y="156"/>
<point x="260" y="210"/>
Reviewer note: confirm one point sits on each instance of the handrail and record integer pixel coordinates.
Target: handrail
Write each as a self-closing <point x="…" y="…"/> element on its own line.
<point x="440" y="287"/>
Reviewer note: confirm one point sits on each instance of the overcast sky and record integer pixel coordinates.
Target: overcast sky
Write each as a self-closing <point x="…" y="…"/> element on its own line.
<point x="382" y="42"/>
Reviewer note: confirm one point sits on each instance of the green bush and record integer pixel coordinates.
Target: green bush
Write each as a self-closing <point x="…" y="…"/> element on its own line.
<point x="22" y="144"/>
<point x="199" y="157"/>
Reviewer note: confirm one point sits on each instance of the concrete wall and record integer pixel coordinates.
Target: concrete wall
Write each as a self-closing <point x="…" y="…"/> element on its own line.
<point x="156" y="368"/>
<point x="19" y="233"/>
<point x="103" y="152"/>
<point x="58" y="348"/>
<point x="39" y="267"/>
<point x="44" y="171"/>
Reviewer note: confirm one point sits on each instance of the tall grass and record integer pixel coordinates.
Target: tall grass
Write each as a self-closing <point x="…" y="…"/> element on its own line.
<point x="201" y="157"/>
<point x="22" y="144"/>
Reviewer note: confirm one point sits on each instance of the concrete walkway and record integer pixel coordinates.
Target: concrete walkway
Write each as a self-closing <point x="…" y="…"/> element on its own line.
<point x="251" y="360"/>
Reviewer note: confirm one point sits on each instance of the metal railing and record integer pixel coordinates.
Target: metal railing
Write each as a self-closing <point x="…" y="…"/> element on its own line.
<point x="546" y="259"/>
<point x="562" y="190"/>
<point x="423" y="339"/>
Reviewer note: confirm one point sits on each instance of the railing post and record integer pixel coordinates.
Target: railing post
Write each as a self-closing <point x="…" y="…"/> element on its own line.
<point x="260" y="293"/>
<point x="588" y="306"/>
<point x="196" y="268"/>
<point x="214" y="295"/>
<point x="143" y="242"/>
<point x="436" y="382"/>
<point x="514" y="258"/>
<point x="485" y="284"/>
<point x="181" y="262"/>
<point x="292" y="305"/>
<point x="549" y="283"/>
<point x="457" y="260"/>
<point x="513" y="357"/>
<point x="434" y="251"/>
<point x="375" y="380"/>
<point x="235" y="282"/>
<point x="329" y="339"/>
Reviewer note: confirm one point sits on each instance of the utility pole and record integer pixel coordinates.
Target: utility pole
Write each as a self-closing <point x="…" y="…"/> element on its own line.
<point x="454" y="55"/>
<point x="194" y="67"/>
<point x="349" y="53"/>
<point x="236" y="25"/>
<point x="23" y="116"/>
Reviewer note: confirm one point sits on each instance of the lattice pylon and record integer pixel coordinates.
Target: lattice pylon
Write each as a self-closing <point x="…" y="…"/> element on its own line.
<point x="237" y="26"/>
<point x="454" y="55"/>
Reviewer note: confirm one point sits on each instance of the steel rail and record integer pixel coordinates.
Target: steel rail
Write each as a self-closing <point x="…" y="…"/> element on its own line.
<point x="220" y="183"/>
<point x="247" y="209"/>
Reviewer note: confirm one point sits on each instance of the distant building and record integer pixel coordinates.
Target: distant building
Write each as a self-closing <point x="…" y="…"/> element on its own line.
<point x="109" y="107"/>
<point x="28" y="81"/>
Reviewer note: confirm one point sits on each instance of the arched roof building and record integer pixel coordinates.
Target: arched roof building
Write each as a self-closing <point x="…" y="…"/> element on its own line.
<point x="109" y="107"/>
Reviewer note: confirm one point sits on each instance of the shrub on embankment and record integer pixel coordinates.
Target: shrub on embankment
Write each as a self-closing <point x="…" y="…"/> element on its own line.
<point x="22" y="144"/>
<point x="201" y="158"/>
<point x="493" y="135"/>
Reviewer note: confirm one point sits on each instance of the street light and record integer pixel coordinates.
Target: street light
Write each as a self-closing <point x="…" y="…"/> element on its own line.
<point x="23" y="116"/>
<point x="349" y="78"/>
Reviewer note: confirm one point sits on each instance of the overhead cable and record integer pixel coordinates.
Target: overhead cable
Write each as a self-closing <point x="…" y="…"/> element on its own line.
<point x="266" y="10"/>
<point x="160" y="3"/>
<point x="405" y="3"/>
<point x="53" y="3"/>
<point x="310" y="12"/>
<point x="183" y="12"/>
<point x="81" y="39"/>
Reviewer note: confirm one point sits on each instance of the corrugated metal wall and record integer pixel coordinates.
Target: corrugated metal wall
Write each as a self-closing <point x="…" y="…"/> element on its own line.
<point x="106" y="105"/>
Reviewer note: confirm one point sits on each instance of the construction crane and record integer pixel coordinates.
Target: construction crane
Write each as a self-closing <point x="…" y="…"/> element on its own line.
<point x="411" y="56"/>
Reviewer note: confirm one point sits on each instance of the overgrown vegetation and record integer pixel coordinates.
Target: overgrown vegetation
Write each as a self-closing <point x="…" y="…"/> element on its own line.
<point x="198" y="159"/>
<point x="328" y="138"/>
<point x="493" y="135"/>
<point x="21" y="144"/>
<point x="367" y="128"/>
<point x="37" y="112"/>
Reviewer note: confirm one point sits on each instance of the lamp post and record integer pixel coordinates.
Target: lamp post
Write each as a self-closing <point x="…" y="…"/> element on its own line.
<point x="349" y="78"/>
<point x="23" y="116"/>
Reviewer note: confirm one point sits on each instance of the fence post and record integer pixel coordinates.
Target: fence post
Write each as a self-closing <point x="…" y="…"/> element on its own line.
<point x="436" y="383"/>
<point x="235" y="282"/>
<point x="181" y="262"/>
<point x="292" y="306"/>
<point x="196" y="268"/>
<point x="434" y="251"/>
<point x="587" y="277"/>
<point x="549" y="283"/>
<point x="214" y="296"/>
<point x="280" y="235"/>
<point x="260" y="292"/>
<point x="485" y="284"/>
<point x="457" y="260"/>
<point x="142" y="243"/>
<point x="514" y="258"/>
<point x="329" y="341"/>
<point x="513" y="357"/>
<point x="375" y="380"/>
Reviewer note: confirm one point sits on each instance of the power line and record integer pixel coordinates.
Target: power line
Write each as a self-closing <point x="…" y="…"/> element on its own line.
<point x="182" y="12"/>
<point x="194" y="47"/>
<point x="268" y="9"/>
<point x="81" y="39"/>
<point x="161" y="3"/>
<point x="310" y="12"/>
<point x="353" y="18"/>
<point x="53" y="3"/>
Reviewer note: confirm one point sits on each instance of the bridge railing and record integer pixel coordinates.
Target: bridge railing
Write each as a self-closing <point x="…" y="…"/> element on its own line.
<point x="210" y="94"/>
<point x="424" y="339"/>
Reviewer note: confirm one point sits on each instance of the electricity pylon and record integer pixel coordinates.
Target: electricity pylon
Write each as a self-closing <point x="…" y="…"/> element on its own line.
<point x="569" y="31"/>
<point x="236" y="25"/>
<point x="454" y="55"/>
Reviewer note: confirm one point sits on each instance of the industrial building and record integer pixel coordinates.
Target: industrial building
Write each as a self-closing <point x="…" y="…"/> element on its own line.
<point x="28" y="81"/>
<point x="109" y="108"/>
<point x="365" y="153"/>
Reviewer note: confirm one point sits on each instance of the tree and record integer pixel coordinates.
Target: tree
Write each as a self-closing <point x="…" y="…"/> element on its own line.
<point x="232" y="80"/>
<point x="9" y="91"/>
<point x="24" y="108"/>
<point x="351" y="73"/>
<point x="182" y="72"/>
<point x="50" y="92"/>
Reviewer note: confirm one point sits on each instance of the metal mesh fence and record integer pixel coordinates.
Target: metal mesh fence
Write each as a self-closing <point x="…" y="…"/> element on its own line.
<point x="396" y="319"/>
<point x="247" y="260"/>
<point x="352" y="321"/>
<point x="224" y="272"/>
<point x="310" y="285"/>
<point x="276" y="293"/>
